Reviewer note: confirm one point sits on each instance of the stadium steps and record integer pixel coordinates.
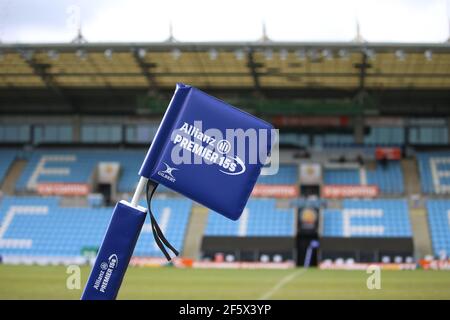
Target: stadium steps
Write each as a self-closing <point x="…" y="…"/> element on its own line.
<point x="421" y="234"/>
<point x="418" y="215"/>
<point x="195" y="231"/>
<point x="13" y="174"/>
<point x="411" y="176"/>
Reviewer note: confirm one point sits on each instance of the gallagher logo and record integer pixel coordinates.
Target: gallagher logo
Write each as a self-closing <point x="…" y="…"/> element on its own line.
<point x="168" y="173"/>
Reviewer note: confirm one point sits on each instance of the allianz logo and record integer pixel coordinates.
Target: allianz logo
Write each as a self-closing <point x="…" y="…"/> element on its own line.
<point x="106" y="270"/>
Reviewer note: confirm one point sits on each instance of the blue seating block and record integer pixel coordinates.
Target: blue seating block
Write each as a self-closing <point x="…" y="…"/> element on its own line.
<point x="439" y="225"/>
<point x="83" y="165"/>
<point x="64" y="231"/>
<point x="260" y="218"/>
<point x="388" y="178"/>
<point x="368" y="218"/>
<point x="341" y="176"/>
<point x="437" y="163"/>
<point x="287" y="174"/>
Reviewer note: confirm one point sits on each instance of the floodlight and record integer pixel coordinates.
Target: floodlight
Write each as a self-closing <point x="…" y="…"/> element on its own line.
<point x="239" y="54"/>
<point x="141" y="53"/>
<point x="283" y="54"/>
<point x="176" y="54"/>
<point x="301" y="54"/>
<point x="400" y="55"/>
<point x="213" y="54"/>
<point x="268" y="54"/>
<point x="82" y="54"/>
<point x="108" y="54"/>
<point x="428" y="55"/>
<point x="53" y="54"/>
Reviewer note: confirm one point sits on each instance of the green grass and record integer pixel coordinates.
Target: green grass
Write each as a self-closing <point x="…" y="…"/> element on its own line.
<point x="36" y="282"/>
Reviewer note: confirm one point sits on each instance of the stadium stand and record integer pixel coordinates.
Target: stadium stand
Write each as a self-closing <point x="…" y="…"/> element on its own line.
<point x="36" y="226"/>
<point x="387" y="176"/>
<point x="260" y="218"/>
<point x="434" y="169"/>
<point x="77" y="166"/>
<point x="364" y="218"/>
<point x="287" y="174"/>
<point x="341" y="176"/>
<point x="388" y="136"/>
<point x="439" y="225"/>
<point x="319" y="119"/>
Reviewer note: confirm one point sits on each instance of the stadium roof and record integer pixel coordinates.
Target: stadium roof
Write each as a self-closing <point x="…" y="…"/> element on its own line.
<point x="253" y="65"/>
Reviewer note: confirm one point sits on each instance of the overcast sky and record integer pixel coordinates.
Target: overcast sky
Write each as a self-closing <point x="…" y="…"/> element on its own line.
<point x="208" y="20"/>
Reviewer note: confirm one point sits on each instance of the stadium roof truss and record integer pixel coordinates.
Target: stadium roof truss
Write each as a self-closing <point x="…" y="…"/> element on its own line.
<point x="256" y="65"/>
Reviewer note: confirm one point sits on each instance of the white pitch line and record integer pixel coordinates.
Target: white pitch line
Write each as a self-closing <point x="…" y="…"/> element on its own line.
<point x="281" y="283"/>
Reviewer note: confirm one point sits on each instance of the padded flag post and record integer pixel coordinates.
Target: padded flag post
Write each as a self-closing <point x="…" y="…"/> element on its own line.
<point x="119" y="242"/>
<point x="115" y="252"/>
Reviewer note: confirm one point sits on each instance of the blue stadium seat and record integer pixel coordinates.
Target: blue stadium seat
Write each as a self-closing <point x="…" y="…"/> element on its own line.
<point x="81" y="165"/>
<point x="41" y="227"/>
<point x="341" y="176"/>
<point x="173" y="218"/>
<point x="368" y="218"/>
<point x="434" y="169"/>
<point x="388" y="178"/>
<point x="287" y="174"/>
<point x="260" y="218"/>
<point x="439" y="225"/>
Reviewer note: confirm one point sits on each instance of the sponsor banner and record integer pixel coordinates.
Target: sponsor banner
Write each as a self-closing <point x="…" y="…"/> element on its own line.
<point x="434" y="264"/>
<point x="160" y="262"/>
<point x="108" y="172"/>
<point x="43" y="260"/>
<point x="310" y="174"/>
<point x="275" y="191"/>
<point x="244" y="265"/>
<point x="349" y="191"/>
<point x="296" y="121"/>
<point x="189" y="263"/>
<point x="388" y="153"/>
<point x="326" y="265"/>
<point x="62" y="189"/>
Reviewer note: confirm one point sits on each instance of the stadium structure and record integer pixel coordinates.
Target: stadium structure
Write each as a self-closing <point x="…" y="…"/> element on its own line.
<point x="364" y="171"/>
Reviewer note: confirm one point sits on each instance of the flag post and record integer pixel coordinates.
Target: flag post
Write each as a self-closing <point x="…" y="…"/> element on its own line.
<point x="117" y="247"/>
<point x="139" y="189"/>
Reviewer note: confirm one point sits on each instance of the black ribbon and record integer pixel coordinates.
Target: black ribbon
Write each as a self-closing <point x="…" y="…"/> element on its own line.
<point x="160" y="239"/>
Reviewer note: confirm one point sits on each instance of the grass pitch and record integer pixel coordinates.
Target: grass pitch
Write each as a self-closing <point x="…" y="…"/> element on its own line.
<point x="39" y="282"/>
